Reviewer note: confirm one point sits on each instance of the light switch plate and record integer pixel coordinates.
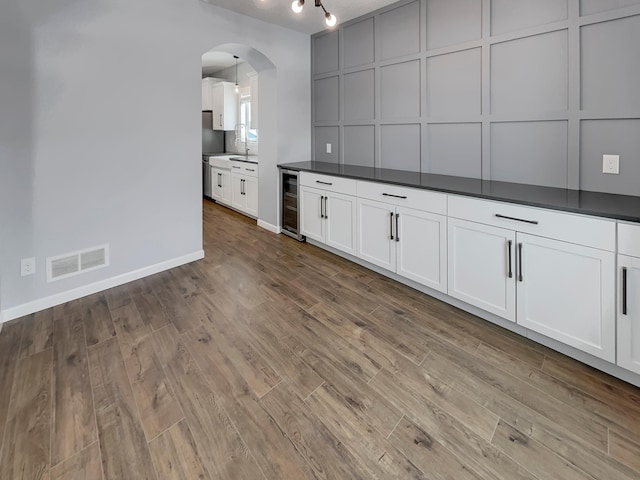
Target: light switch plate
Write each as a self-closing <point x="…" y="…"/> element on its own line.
<point x="328" y="148"/>
<point x="611" y="164"/>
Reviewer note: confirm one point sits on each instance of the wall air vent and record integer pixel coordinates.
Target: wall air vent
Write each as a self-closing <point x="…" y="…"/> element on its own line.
<point x="70" y="264"/>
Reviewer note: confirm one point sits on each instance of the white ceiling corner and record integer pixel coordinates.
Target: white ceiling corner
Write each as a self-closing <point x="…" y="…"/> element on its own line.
<point x="310" y="21"/>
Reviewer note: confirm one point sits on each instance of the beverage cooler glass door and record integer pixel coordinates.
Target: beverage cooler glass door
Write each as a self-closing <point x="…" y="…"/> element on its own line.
<point x="290" y="210"/>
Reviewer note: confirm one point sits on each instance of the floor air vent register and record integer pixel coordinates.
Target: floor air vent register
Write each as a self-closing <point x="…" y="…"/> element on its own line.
<point x="70" y="264"/>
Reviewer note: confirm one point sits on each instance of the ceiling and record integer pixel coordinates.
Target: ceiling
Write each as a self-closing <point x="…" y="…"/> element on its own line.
<point x="213" y="62"/>
<point x="310" y="21"/>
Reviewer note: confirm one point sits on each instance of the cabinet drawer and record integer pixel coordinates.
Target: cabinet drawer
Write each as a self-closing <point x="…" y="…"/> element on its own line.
<point x="424" y="200"/>
<point x="329" y="183"/>
<point x="248" y="169"/>
<point x="629" y="239"/>
<point x="581" y="230"/>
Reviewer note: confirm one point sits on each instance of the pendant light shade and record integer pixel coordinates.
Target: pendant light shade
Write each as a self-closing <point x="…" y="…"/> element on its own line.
<point x="237" y="87"/>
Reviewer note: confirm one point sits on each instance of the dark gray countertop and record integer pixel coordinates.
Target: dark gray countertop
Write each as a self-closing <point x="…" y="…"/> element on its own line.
<point x="619" y="207"/>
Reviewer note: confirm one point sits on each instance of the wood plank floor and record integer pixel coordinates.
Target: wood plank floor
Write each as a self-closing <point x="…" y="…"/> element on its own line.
<point x="272" y="359"/>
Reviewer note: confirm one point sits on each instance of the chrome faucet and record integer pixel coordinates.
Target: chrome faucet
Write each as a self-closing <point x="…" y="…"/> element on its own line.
<point x="240" y="127"/>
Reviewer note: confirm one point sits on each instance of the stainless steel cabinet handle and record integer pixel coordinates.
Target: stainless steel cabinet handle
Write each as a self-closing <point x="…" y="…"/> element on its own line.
<point x="326" y="214"/>
<point x="322" y="206"/>
<point x="234" y="166"/>
<point x="250" y="170"/>
<point x="391" y="225"/>
<point x="532" y="222"/>
<point x="624" y="290"/>
<point x="220" y="180"/>
<point x="394" y="196"/>
<point x="520" y="269"/>
<point x="220" y="120"/>
<point x="397" y="228"/>
<point x="323" y="183"/>
<point x="509" y="248"/>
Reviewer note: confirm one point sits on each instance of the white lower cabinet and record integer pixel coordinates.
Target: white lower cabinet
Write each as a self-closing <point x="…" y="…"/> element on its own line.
<point x="629" y="297"/>
<point x="481" y="266"/>
<point x="244" y="187"/>
<point x="553" y="287"/>
<point x="567" y="292"/>
<point x="221" y="185"/>
<point x="329" y="217"/>
<point x="409" y="242"/>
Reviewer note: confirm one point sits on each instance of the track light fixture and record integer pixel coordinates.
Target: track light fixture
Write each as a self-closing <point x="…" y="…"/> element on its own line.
<point x="329" y="18"/>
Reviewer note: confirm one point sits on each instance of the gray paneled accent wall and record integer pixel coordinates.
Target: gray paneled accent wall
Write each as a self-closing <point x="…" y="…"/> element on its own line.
<point x="526" y="91"/>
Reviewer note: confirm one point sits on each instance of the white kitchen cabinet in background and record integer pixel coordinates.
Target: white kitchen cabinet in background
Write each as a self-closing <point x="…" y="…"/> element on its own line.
<point x="244" y="187"/>
<point x="221" y="185"/>
<point x="225" y="106"/>
<point x="328" y="211"/>
<point x="207" y="93"/>
<point x="629" y="297"/>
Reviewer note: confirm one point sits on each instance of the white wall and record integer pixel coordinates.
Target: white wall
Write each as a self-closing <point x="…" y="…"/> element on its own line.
<point x="99" y="147"/>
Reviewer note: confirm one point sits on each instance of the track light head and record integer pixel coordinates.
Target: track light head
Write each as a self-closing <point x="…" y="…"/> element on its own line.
<point x="297" y="5"/>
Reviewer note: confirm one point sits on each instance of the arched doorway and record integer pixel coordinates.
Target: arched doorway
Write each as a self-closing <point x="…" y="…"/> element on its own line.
<point x="268" y="130"/>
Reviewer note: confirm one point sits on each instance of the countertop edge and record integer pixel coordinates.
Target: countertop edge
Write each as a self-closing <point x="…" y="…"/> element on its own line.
<point x="610" y="215"/>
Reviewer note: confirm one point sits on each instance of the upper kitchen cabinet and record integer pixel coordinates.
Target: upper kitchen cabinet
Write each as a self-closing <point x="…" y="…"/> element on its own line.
<point x="207" y="93"/>
<point x="225" y="106"/>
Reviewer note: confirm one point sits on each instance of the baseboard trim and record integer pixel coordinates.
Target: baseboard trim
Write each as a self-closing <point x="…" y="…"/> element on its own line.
<point x="269" y="226"/>
<point x="74" y="294"/>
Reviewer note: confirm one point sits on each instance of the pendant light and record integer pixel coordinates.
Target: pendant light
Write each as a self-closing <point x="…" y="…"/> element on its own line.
<point x="329" y="18"/>
<point x="237" y="87"/>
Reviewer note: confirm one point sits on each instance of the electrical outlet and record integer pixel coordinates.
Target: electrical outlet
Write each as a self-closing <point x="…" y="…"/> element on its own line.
<point x="27" y="266"/>
<point x="328" y="148"/>
<point x="611" y="164"/>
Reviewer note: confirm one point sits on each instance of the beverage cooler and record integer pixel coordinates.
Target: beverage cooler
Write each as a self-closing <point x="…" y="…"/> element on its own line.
<point x="290" y="200"/>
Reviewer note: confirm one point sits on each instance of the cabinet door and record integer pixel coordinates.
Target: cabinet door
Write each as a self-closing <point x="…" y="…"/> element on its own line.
<point x="251" y="195"/>
<point x="340" y="222"/>
<point x="629" y="313"/>
<point x="216" y="183"/>
<point x="225" y="189"/>
<point x="479" y="266"/>
<point x="217" y="93"/>
<point x="566" y="292"/>
<point x="311" y="221"/>
<point x="238" y="199"/>
<point x="421" y="241"/>
<point x="375" y="231"/>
